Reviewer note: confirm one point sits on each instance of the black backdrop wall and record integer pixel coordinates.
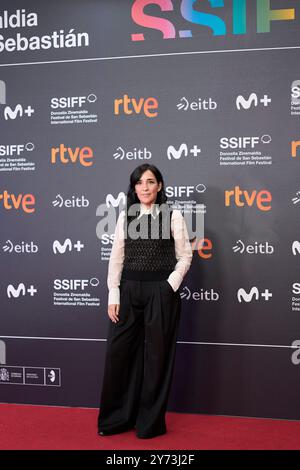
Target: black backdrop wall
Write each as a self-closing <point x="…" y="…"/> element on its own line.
<point x="209" y="91"/>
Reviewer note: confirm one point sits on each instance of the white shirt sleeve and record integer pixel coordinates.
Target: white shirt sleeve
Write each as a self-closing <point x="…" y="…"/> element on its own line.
<point x="116" y="261"/>
<point x="183" y="249"/>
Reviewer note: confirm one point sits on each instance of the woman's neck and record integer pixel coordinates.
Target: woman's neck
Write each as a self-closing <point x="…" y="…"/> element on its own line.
<point x="148" y="206"/>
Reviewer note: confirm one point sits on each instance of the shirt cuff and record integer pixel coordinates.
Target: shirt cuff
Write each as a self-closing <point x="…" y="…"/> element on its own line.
<point x="175" y="280"/>
<point x="114" y="296"/>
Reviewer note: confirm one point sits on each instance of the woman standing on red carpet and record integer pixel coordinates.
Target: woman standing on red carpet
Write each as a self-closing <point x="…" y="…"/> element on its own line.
<point x="150" y="256"/>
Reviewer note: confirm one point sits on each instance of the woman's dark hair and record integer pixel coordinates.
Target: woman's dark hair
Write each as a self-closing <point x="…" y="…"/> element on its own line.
<point x="135" y="177"/>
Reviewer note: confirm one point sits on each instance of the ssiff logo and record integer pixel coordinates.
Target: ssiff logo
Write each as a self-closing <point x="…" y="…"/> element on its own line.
<point x="244" y="142"/>
<point x="215" y="24"/>
<point x="15" y="149"/>
<point x="72" y="101"/>
<point x="295" y="93"/>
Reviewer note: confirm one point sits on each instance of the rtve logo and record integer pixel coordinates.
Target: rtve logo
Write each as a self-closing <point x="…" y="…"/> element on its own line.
<point x="217" y="26"/>
<point x="66" y="155"/>
<point x="204" y="247"/>
<point x="295" y="152"/>
<point x="21" y="202"/>
<point x="239" y="197"/>
<point x="147" y="106"/>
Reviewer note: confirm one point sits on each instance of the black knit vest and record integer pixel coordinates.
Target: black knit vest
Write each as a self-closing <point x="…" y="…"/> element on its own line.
<point x="151" y="256"/>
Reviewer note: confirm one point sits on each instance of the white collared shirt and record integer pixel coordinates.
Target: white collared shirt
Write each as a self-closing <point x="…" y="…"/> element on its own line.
<point x="153" y="210"/>
<point x="183" y="252"/>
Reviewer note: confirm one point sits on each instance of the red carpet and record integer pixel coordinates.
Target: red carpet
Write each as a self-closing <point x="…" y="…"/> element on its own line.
<point x="49" y="428"/>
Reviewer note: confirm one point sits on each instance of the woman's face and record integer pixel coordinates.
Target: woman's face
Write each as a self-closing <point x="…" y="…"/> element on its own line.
<point x="147" y="188"/>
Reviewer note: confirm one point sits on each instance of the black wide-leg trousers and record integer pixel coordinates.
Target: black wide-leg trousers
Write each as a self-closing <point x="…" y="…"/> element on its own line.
<point x="140" y="359"/>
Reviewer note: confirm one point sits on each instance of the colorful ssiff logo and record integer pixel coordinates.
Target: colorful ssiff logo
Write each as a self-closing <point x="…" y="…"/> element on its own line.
<point x="190" y="11"/>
